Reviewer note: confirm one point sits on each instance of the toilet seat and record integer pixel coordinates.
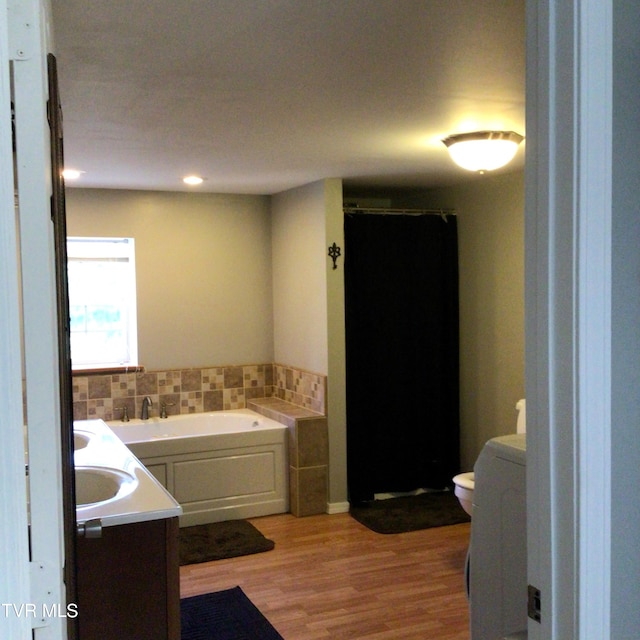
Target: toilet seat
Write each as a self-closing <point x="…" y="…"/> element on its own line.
<point x="465" y="480"/>
<point x="464" y="485"/>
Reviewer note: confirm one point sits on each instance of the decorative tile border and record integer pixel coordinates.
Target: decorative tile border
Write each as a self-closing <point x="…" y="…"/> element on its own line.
<point x="300" y="387"/>
<point x="194" y="390"/>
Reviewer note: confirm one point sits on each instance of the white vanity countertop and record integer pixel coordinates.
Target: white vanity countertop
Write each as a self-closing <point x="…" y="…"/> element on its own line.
<point x="149" y="500"/>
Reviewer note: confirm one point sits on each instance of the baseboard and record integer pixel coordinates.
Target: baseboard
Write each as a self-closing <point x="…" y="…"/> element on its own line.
<point x="337" y="507"/>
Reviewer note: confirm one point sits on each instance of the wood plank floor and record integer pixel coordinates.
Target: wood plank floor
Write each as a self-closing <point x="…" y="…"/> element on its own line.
<point x="331" y="577"/>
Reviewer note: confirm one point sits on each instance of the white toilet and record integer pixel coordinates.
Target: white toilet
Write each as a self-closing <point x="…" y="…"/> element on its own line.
<point x="464" y="482"/>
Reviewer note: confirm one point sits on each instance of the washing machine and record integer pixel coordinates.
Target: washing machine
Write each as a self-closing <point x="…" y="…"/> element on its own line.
<point x="498" y="549"/>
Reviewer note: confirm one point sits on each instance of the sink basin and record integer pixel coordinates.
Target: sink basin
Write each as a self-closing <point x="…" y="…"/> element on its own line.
<point x="80" y="440"/>
<point x="102" y="484"/>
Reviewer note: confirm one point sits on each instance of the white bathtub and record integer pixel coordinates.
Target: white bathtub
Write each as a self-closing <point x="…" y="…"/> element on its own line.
<point x="218" y="466"/>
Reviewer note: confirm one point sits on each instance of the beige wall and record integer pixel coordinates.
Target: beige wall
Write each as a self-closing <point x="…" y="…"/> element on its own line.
<point x="221" y="267"/>
<point x="336" y="380"/>
<point x="309" y="303"/>
<point x="299" y="277"/>
<point x="203" y="265"/>
<point x="491" y="261"/>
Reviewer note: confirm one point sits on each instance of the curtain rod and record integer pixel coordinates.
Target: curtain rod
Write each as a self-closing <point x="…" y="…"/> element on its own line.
<point x="415" y="212"/>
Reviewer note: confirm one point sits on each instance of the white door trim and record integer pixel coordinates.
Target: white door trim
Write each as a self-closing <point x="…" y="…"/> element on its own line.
<point x="14" y="577"/>
<point x="568" y="309"/>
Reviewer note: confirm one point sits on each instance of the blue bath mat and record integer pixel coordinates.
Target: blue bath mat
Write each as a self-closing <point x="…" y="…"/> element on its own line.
<point x="224" y="615"/>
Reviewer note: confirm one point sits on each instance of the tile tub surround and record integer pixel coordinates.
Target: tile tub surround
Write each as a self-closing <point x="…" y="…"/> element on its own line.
<point x="195" y="390"/>
<point x="308" y="453"/>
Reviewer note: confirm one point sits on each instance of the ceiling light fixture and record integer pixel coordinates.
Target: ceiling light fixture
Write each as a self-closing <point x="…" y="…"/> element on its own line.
<point x="193" y="180"/>
<point x="483" y="150"/>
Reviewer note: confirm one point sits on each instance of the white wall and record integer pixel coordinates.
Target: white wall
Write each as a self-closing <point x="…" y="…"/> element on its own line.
<point x="299" y="259"/>
<point x="203" y="265"/>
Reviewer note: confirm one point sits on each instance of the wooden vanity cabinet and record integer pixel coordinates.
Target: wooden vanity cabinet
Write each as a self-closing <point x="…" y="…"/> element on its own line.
<point x="129" y="582"/>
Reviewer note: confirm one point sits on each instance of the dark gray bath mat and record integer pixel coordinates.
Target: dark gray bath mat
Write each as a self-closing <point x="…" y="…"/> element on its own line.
<point x="220" y="540"/>
<point x="410" y="513"/>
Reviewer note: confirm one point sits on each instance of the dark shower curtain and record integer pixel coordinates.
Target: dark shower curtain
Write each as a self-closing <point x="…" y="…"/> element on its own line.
<point x="401" y="290"/>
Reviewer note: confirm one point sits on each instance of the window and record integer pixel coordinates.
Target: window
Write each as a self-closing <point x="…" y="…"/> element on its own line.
<point x="102" y="302"/>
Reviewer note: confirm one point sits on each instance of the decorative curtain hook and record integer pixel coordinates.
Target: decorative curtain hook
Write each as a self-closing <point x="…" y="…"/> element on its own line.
<point x="334" y="252"/>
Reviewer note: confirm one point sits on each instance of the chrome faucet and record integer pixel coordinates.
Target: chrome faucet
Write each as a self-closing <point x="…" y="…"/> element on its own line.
<point x="146" y="403"/>
<point x="163" y="408"/>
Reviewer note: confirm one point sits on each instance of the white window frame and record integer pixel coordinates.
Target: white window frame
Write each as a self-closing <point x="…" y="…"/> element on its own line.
<point x="103" y="251"/>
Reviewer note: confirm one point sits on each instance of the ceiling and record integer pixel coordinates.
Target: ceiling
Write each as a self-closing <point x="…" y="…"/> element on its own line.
<point x="260" y="96"/>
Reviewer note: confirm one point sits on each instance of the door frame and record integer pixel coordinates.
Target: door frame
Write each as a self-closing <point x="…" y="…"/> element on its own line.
<point x="568" y="271"/>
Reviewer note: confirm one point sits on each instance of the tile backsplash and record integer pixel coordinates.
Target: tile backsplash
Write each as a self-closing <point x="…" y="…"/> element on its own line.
<point x="195" y="390"/>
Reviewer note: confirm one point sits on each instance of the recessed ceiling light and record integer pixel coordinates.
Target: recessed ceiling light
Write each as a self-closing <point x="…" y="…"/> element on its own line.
<point x="193" y="180"/>
<point x="71" y="174"/>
